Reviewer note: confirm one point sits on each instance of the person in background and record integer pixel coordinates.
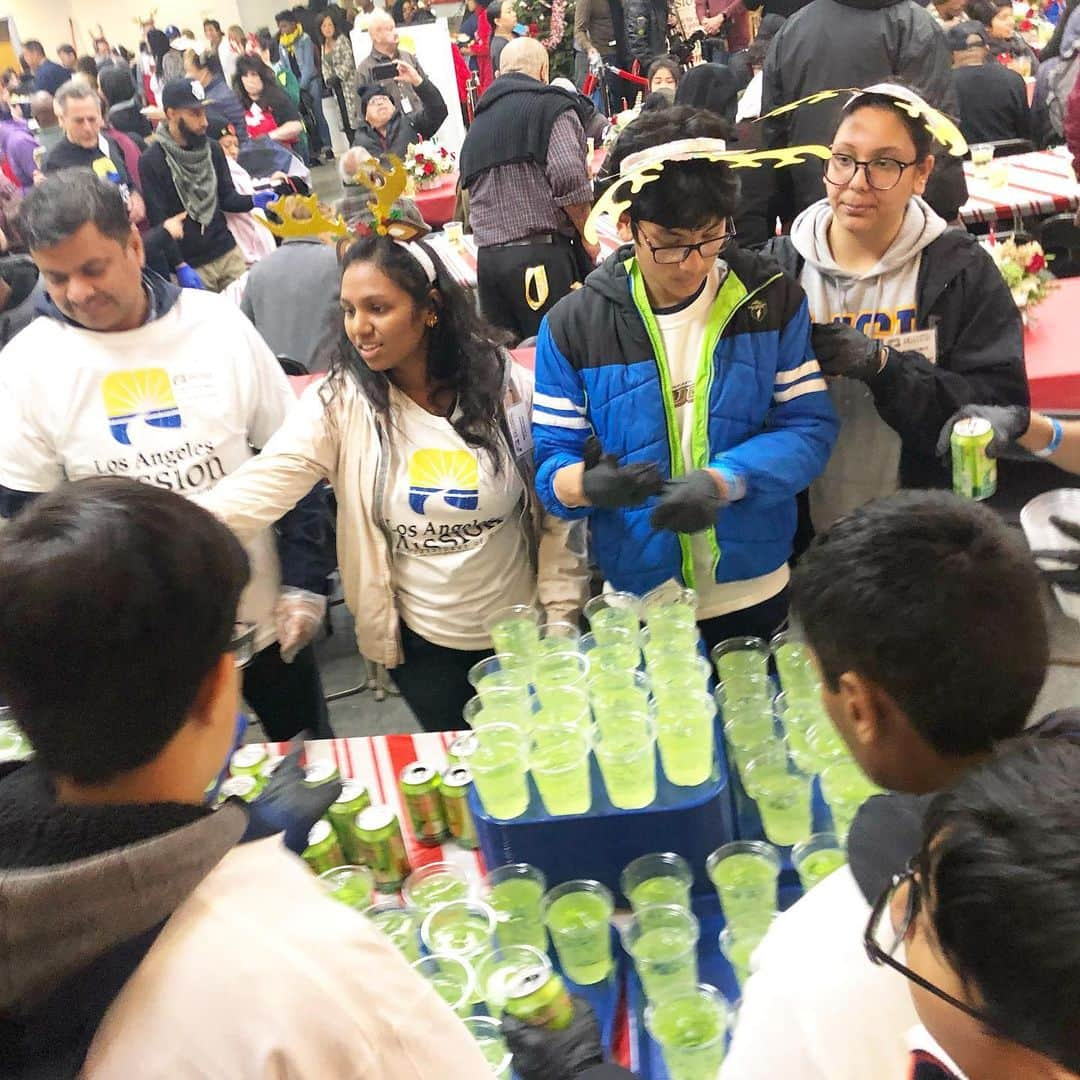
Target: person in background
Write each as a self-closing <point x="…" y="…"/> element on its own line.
<point x="993" y="99"/>
<point x="599" y="37"/>
<point x="17" y="144"/>
<point x="86" y="71"/>
<point x="43" y="110"/>
<point x="1003" y="37"/>
<point x="48" y="75"/>
<point x="299" y="53"/>
<point x="664" y="74"/>
<point x="267" y="108"/>
<point x="912" y="319"/>
<point x="110" y="819"/>
<point x="523" y="165"/>
<point x="124" y="112"/>
<point x="384" y="51"/>
<point x="205" y="69"/>
<point x="1058" y="63"/>
<point x="646" y="29"/>
<point x="253" y="239"/>
<point x="712" y="87"/>
<point x="22" y="293"/>
<point x="502" y="16"/>
<point x="223" y="48"/>
<point x="270" y="54"/>
<point x="385" y="129"/>
<point x="727" y="28"/>
<point x="339" y="68"/>
<point x="948" y="13"/>
<point x="103" y="53"/>
<point x="67" y="57"/>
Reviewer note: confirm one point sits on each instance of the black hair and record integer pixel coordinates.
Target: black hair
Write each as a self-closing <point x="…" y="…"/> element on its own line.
<point x="87" y="66"/>
<point x="116" y="83"/>
<point x="67" y="200"/>
<point x="916" y="127"/>
<point x="688" y="194"/>
<point x="1001" y="862"/>
<point x="1053" y="46"/>
<point x="337" y="16"/>
<point x="984" y="10"/>
<point x="935" y="600"/>
<point x="215" y="24"/>
<point x="665" y="63"/>
<point x="464" y="354"/>
<point x="116" y="600"/>
<point x="205" y="61"/>
<point x="712" y="87"/>
<point x="273" y="96"/>
<point x="65" y="48"/>
<point x="287" y="15"/>
<point x="494" y="9"/>
<point x="34" y="46"/>
<point x="267" y="41"/>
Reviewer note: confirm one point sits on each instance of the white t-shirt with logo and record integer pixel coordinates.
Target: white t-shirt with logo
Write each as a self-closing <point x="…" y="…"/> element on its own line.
<point x="683" y="334"/>
<point x="178" y="403"/>
<point x="457" y="529"/>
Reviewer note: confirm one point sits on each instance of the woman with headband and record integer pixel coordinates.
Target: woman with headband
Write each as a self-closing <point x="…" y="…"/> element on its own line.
<point x="422" y="428"/>
<point x="912" y="318"/>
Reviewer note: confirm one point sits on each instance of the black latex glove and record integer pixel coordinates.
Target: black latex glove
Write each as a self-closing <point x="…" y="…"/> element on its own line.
<point x="842" y="350"/>
<point x="611" y="486"/>
<point x="1008" y="421"/>
<point x="1067" y="575"/>
<point x="688" y="503"/>
<point x="288" y="805"/>
<point x="543" y="1054"/>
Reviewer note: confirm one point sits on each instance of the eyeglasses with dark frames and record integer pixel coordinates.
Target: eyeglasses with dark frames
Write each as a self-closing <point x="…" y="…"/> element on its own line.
<point x="242" y="644"/>
<point x="882" y="173"/>
<point x="677" y="253"/>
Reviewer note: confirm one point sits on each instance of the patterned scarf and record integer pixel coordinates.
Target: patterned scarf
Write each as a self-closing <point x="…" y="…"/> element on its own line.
<point x="288" y="41"/>
<point x="192" y="172"/>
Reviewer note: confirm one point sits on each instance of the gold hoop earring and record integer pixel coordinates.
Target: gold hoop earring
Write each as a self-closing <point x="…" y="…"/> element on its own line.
<point x="432" y="320"/>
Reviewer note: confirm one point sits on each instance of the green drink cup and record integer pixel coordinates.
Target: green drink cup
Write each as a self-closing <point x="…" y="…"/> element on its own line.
<point x="559" y="637"/>
<point x="462" y="928"/>
<point x="662" y="940"/>
<point x="782" y="794"/>
<point x="498" y="970"/>
<point x="349" y="885"/>
<point x="564" y="706"/>
<point x="559" y="761"/>
<point x="515" y="892"/>
<point x="577" y="915"/>
<point x="774" y="751"/>
<point x="515" y="631"/>
<point x="499" y="769"/>
<point x="619" y="652"/>
<point x="672" y="680"/>
<point x="691" y="1030"/>
<point x="503" y="671"/>
<point x="817" y="858"/>
<point x="615" y="694"/>
<point x="626" y="754"/>
<point x="452" y="978"/>
<point x="400" y="924"/>
<point x="613" y="611"/>
<point x="794" y="663"/>
<point x="685" y="736"/>
<point x="508" y="706"/>
<point x="745" y="874"/>
<point x="558" y="671"/>
<point x="738" y="943"/>
<point x="671" y="613"/>
<point x="796" y="722"/>
<point x="741" y="659"/>
<point x="659" y="650"/>
<point x="487" y="1033"/>
<point x="434" y="884"/>
<point x="826" y="745"/>
<point x="845" y="787"/>
<point x="659" y="878"/>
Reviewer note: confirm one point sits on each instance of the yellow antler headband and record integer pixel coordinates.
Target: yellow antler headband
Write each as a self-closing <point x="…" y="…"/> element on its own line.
<point x="300" y="215"/>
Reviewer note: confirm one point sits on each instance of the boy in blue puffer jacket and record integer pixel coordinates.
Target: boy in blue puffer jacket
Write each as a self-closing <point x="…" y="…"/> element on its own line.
<point x="678" y="402"/>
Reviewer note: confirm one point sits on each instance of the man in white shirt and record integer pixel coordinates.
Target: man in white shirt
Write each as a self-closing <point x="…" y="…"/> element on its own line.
<point x="126" y="375"/>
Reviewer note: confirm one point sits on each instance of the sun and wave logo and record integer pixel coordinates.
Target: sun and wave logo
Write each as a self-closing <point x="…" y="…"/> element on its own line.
<point x="450" y="473"/>
<point x="144" y="394"/>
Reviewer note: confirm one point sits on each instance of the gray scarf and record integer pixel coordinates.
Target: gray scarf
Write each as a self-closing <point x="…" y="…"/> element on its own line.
<point x="193" y="174"/>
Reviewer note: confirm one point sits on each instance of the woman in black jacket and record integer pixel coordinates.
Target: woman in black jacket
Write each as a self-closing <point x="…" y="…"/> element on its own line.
<point x="385" y="129"/>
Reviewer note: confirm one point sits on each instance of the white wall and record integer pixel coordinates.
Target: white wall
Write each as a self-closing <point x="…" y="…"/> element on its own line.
<point x="46" y="20"/>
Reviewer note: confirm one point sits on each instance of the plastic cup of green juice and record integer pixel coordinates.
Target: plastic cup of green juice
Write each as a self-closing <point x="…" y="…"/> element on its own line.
<point x="659" y="650"/>
<point x="796" y="721"/>
<point x="565" y="706"/>
<point x="350" y="885"/>
<point x="741" y="658"/>
<point x="685" y="736"/>
<point x="515" y="631"/>
<point x="670" y="612"/>
<point x="559" y="637"/>
<point x="452" y="978"/>
<point x="509" y="706"/>
<point x="626" y="754"/>
<point x="503" y="671"/>
<point x="685" y="675"/>
<point x="660" y="877"/>
<point x="738" y="943"/>
<point x="794" y="661"/>
<point x="433" y="884"/>
<point x="612" y="689"/>
<point x="577" y="915"/>
<point x="745" y="874"/>
<point x="515" y="892"/>
<point x="815" y="859"/>
<point x="662" y="940"/>
<point x="487" y="1033"/>
<point x="400" y="924"/>
<point x="559" y="761"/>
<point x="782" y="794"/>
<point x="613" y="611"/>
<point x="826" y="745"/>
<point x="461" y="928"/>
<point x="845" y="787"/>
<point x="691" y="1030"/>
<point x="556" y="671"/>
<point x="619" y="651"/>
<point x="499" y="767"/>
<point x="497" y="970"/>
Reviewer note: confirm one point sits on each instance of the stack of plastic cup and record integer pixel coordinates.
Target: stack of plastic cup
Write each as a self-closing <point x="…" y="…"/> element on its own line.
<point x="784" y="798"/>
<point x="685" y="727"/>
<point x="515" y="892"/>
<point x="662" y="941"/>
<point x="691" y="1030"/>
<point x="626" y="754"/>
<point x="577" y="915"/>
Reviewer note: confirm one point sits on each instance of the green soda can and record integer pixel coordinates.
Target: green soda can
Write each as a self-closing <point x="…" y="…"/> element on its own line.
<point x="381" y="847"/>
<point x="248" y="760"/>
<point x="462" y="748"/>
<point x="322" y="772"/>
<point x="420" y="785"/>
<point x="354" y="797"/>
<point x="456" y="782"/>
<point x="539" y="997"/>
<point x="243" y="787"/>
<point x="323" y="851"/>
<point x="974" y="475"/>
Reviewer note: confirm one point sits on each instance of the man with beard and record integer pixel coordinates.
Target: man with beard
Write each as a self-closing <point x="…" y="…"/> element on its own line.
<point x="185" y="172"/>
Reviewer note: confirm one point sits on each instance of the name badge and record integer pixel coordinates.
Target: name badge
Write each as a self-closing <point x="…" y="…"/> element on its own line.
<point x="519" y="420"/>
<point x="406" y="105"/>
<point x="920" y="341"/>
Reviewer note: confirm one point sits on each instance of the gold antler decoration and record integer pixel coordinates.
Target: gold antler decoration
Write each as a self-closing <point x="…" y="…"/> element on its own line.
<point x="301" y="216"/>
<point x="387" y="185"/>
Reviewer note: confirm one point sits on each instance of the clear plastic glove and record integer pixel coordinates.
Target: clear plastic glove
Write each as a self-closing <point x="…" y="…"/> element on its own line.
<point x="611" y="486"/>
<point x="287" y="805"/>
<point x="688" y="503"/>
<point x="262" y="199"/>
<point x="843" y="350"/>
<point x="1008" y="421"/>
<point x="188" y="277"/>
<point x="297" y="616"/>
<point x="543" y="1054"/>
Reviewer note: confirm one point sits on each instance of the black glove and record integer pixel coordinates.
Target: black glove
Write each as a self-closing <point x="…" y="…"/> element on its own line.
<point x="842" y="350"/>
<point x="288" y="805"/>
<point x="688" y="503"/>
<point x="611" y="486"/>
<point x="543" y="1054"/>
<point x="1067" y="575"/>
<point x="1008" y="421"/>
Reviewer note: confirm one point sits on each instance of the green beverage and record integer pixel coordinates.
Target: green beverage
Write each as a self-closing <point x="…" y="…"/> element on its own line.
<point x="663" y="944"/>
<point x="798" y="744"/>
<point x="559" y="761"/>
<point x="515" y="892"/>
<point x="452" y="979"/>
<point x="616" y="657"/>
<point x="627" y="759"/>
<point x="401" y="925"/>
<point x="659" y="890"/>
<point x="659" y="878"/>
<point x="461" y="928"/>
<point x="691" y="1030"/>
<point x="741" y="660"/>
<point x="420" y="788"/>
<point x="436" y="883"/>
<point x="505" y="706"/>
<point x="487" y="1034"/>
<point x="617" y="697"/>
<point x="738" y="943"/>
<point x="826" y="745"/>
<point x="354" y="797"/>
<point x="563" y="706"/>
<point x="612" y="615"/>
<point x="559" y="670"/>
<point x="684" y="735"/>
<point x="323" y="851"/>
<point x="515" y="631"/>
<point x="461" y="749"/>
<point x="382" y="847"/>
<point x="794" y="663"/>
<point x="248" y="760"/>
<point x="670" y="612"/>
<point x="500" y="768"/>
<point x="456" y="782"/>
<point x="845" y="787"/>
<point x="577" y="915"/>
<point x="14" y="745"/>
<point x="500" y="672"/>
<point x="539" y="997"/>
<point x="675" y="676"/>
<point x="350" y="885"/>
<point x="559" y="637"/>
<point x="815" y="866"/>
<point x="502" y="968"/>
<point x="745" y="874"/>
<point x="783" y="800"/>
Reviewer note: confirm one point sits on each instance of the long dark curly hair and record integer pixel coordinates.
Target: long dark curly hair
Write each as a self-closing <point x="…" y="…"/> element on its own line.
<point x="464" y="355"/>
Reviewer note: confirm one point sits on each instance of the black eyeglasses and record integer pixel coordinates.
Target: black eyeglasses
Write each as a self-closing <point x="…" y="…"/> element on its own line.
<point x="882" y="173"/>
<point x="242" y="644"/>
<point x="707" y="249"/>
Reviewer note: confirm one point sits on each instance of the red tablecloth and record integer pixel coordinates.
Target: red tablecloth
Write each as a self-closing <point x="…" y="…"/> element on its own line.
<point x="436" y="205"/>
<point x="1038" y="183"/>
<point x="1053" y="365"/>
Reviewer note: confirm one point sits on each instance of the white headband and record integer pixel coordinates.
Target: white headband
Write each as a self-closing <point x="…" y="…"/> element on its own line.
<point x="679" y="150"/>
<point x="421" y="256"/>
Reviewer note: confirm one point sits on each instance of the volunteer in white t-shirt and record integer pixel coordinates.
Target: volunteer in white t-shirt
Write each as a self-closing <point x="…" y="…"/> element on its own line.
<point x="912" y="316"/>
<point x="125" y="374"/>
<point x="422" y="427"/>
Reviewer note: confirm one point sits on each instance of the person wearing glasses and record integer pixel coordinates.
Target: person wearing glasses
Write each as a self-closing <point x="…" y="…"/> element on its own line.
<point x="679" y="405"/>
<point x="925" y="613"/>
<point x="912" y="318"/>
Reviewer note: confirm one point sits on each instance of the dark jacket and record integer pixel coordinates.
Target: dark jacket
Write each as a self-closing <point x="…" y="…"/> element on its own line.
<point x="980" y="350"/>
<point x="68" y="155"/>
<point x="840" y="43"/>
<point x="993" y="103"/>
<point x="228" y="104"/>
<point x="50" y="77"/>
<point x="646" y="29"/>
<point x="405" y="129"/>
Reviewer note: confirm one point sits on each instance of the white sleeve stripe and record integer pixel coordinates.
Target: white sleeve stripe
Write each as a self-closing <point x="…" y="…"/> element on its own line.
<point x="809" y="368"/>
<point x="562" y="403"/>
<point x="811" y="386"/>
<point x="551" y="420"/>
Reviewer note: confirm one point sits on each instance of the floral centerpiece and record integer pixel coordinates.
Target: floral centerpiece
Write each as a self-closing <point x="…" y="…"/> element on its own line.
<point x="1026" y="270"/>
<point x="427" y="162"/>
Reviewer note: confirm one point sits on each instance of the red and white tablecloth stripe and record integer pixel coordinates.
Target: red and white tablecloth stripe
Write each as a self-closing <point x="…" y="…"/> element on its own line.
<point x="1038" y="183"/>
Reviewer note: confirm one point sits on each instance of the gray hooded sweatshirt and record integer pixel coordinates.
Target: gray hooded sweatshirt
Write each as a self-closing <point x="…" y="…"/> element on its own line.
<point x="880" y="302"/>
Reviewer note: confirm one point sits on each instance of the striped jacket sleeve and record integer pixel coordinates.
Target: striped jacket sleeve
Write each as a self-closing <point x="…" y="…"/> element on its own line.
<point x="799" y="430"/>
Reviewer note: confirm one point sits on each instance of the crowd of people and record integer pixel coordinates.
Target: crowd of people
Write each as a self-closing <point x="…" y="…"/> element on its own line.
<point x="760" y="415"/>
